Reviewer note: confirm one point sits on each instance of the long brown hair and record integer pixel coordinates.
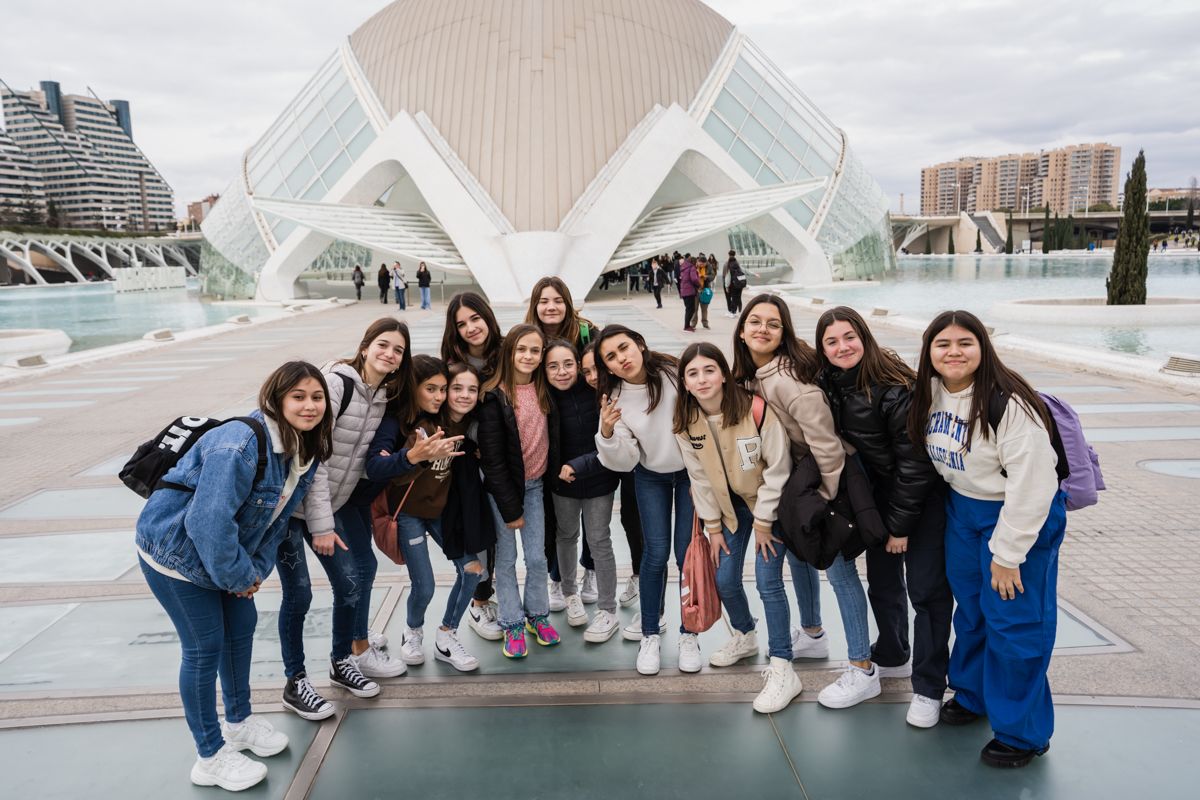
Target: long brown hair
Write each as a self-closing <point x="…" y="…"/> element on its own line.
<point x="424" y="367"/>
<point x="735" y="401"/>
<point x="505" y="378"/>
<point x="454" y="349"/>
<point x="397" y="379"/>
<point x="991" y="378"/>
<point x="317" y="443"/>
<point x="569" y="329"/>
<point x="657" y="365"/>
<point x="797" y="357"/>
<point x="880" y="366"/>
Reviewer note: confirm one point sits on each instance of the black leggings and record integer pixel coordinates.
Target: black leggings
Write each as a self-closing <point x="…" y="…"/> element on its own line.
<point x="689" y="310"/>
<point x="734" y="298"/>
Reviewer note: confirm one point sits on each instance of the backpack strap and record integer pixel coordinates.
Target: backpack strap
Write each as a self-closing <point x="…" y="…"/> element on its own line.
<point x="758" y="409"/>
<point x="260" y="433"/>
<point x="347" y="393"/>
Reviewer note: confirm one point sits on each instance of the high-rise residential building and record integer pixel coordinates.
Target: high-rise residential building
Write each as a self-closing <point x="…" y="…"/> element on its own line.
<point x="198" y="210"/>
<point x="83" y="149"/>
<point x="1067" y="180"/>
<point x="21" y="186"/>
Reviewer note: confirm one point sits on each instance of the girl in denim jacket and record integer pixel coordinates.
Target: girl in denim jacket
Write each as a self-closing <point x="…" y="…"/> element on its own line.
<point x="207" y="549"/>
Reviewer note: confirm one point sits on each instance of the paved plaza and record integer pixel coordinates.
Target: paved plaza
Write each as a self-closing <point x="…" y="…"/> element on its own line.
<point x="88" y="659"/>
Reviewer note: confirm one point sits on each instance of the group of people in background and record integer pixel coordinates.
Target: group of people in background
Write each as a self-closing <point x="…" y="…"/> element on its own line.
<point x="696" y="279"/>
<point x="394" y="279"/>
<point x="515" y="446"/>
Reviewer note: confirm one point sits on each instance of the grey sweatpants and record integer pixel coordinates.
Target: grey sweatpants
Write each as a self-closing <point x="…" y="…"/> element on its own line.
<point x="597" y="513"/>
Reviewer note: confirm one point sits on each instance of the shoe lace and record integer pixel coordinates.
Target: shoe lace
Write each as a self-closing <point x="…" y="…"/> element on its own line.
<point x="541" y="621"/>
<point x="308" y="695"/>
<point x="455" y="646"/>
<point x="489" y="612"/>
<point x="351" y="672"/>
<point x="689" y="642"/>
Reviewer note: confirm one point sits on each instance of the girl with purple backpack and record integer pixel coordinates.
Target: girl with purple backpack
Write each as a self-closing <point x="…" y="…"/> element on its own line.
<point x="1005" y="519"/>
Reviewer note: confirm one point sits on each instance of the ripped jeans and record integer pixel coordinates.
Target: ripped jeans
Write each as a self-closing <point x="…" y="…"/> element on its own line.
<point x="415" y="546"/>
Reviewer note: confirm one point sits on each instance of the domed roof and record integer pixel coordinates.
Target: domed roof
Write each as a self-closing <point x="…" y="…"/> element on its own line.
<point x="535" y="96"/>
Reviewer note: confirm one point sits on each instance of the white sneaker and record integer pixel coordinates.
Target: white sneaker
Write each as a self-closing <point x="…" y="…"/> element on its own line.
<point x="602" y="628"/>
<point x="633" y="631"/>
<point x="254" y="734"/>
<point x="588" y="592"/>
<point x="923" y="712"/>
<point x="807" y="646"/>
<point x="689" y="653"/>
<point x="447" y="647"/>
<point x="902" y="671"/>
<point x="228" y="769"/>
<point x="782" y="685"/>
<point x="631" y="592"/>
<point x="482" y="619"/>
<point x="851" y="688"/>
<point x="742" y="645"/>
<point x="557" y="601"/>
<point x="649" y="659"/>
<point x="375" y="663"/>
<point x="377" y="640"/>
<point x="576" y="614"/>
<point x="412" y="651"/>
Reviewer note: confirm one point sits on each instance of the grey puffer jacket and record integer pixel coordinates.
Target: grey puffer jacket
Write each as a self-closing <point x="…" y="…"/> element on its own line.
<point x="336" y="477"/>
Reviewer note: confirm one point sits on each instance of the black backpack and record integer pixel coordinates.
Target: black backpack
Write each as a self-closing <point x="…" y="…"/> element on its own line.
<point x="144" y="471"/>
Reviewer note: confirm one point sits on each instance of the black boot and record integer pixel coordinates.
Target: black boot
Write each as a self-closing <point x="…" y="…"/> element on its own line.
<point x="998" y="754"/>
<point x="953" y="713"/>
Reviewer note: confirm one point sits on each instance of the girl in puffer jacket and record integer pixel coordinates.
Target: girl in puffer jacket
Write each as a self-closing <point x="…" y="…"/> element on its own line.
<point x="870" y="391"/>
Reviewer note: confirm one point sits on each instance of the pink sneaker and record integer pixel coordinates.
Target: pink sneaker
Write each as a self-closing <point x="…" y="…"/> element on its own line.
<point x="514" y="642"/>
<point x="540" y="625"/>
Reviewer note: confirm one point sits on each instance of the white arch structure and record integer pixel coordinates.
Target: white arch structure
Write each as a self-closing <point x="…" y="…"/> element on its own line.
<point x="60" y="250"/>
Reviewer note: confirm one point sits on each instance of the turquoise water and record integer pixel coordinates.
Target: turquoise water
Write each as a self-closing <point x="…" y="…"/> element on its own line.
<point x="94" y="315"/>
<point x="922" y="286"/>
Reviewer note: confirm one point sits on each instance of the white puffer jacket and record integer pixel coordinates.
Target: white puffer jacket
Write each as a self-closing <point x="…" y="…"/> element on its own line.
<point x="336" y="478"/>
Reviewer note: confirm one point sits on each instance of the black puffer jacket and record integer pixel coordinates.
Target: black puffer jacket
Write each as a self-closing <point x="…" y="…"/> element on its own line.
<point x="500" y="451"/>
<point x="901" y="473"/>
<point x="575" y="445"/>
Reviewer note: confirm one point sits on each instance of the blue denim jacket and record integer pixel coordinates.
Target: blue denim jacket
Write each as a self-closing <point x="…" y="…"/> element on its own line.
<point x="220" y="535"/>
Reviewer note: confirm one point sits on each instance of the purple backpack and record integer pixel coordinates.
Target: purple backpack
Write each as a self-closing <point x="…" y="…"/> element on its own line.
<point x="1078" y="465"/>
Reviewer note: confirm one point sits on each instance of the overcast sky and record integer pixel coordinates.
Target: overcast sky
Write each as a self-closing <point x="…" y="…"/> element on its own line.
<point x="911" y="83"/>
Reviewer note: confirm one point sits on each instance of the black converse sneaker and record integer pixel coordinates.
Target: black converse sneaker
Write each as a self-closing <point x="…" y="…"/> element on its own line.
<point x="300" y="696"/>
<point x="345" y="674"/>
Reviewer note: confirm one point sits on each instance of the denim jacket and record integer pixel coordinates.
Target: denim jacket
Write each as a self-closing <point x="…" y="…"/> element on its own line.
<point x="220" y="536"/>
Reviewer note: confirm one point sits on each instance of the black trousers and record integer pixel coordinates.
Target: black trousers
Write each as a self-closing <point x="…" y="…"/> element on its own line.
<point x="926" y="586"/>
<point x="658" y="295"/>
<point x="734" y="298"/>
<point x="689" y="310"/>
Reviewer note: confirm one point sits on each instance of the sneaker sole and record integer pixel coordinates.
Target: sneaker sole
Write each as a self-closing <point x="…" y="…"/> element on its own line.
<point x="644" y="672"/>
<point x="486" y="635"/>
<point x="229" y="786"/>
<point x="314" y="716"/>
<point x="849" y="703"/>
<point x="799" y="689"/>
<point x="813" y="656"/>
<point x="355" y="691"/>
<point x="715" y="663"/>
<point x="589" y="601"/>
<point x="921" y="723"/>
<point x="391" y="673"/>
<point x="437" y="654"/>
<point x="626" y="602"/>
<point x="514" y="655"/>
<point x="533" y="632"/>
<point x="630" y="636"/>
<point x="599" y="637"/>
<point x="261" y="753"/>
<point x="411" y="661"/>
<point x="690" y="671"/>
<point x="575" y="622"/>
<point x="902" y="671"/>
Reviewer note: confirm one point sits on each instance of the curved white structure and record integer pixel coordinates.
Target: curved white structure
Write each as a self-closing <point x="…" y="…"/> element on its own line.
<point x="520" y="139"/>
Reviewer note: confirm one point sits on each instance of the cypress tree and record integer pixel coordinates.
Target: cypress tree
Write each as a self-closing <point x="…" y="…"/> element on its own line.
<point x="950" y="250"/>
<point x="52" y="218"/>
<point x="1046" y="230"/>
<point x="1008" y="243"/>
<point x="978" y="243"/>
<point x="1127" y="279"/>
<point x="31" y="213"/>
<point x="1191" y="214"/>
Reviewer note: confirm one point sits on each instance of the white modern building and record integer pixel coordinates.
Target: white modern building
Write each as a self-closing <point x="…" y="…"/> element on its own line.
<point x="514" y="140"/>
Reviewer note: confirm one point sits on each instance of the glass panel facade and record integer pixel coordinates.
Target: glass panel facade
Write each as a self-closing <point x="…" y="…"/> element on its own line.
<point x="856" y="233"/>
<point x="719" y="131"/>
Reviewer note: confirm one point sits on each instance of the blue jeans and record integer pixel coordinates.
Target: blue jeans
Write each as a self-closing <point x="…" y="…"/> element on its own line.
<point x="413" y="544"/>
<point x="1002" y="648"/>
<point x="533" y="546"/>
<point x="426" y="300"/>
<point x="656" y="493"/>
<point x="216" y="634"/>
<point x="357" y="527"/>
<point x="852" y="605"/>
<point x="806" y="579"/>
<point x="768" y="576"/>
<point x="342" y="570"/>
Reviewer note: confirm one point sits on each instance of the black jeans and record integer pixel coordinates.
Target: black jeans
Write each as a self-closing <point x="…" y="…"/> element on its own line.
<point x="689" y="310"/>
<point x="383" y="294"/>
<point x="631" y="521"/>
<point x="658" y="295"/>
<point x="734" y="298"/>
<point x="929" y="591"/>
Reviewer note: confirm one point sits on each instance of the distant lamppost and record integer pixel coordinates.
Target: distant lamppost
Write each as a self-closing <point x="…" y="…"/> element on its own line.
<point x="1025" y="189"/>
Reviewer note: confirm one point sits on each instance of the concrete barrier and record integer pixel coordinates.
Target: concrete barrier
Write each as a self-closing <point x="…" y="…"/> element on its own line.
<point x="1096" y="311"/>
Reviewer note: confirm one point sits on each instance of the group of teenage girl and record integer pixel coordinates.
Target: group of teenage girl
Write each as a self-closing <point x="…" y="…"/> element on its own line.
<point x="521" y="442"/>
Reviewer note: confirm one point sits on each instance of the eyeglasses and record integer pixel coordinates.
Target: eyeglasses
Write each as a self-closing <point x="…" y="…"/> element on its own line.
<point x="754" y="323"/>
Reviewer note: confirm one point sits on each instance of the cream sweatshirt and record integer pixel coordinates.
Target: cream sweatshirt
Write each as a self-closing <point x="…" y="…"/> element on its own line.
<point x="1021" y="447"/>
<point x="641" y="436"/>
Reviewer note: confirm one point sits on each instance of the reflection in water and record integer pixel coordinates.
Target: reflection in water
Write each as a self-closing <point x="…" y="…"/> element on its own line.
<point x="1126" y="340"/>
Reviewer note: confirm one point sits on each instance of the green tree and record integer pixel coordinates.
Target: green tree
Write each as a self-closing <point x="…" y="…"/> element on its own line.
<point x="1069" y="236"/>
<point x="1045" y="230"/>
<point x="31" y="212"/>
<point x="950" y="249"/>
<point x="1127" y="280"/>
<point x="1008" y="243"/>
<point x="978" y="242"/>
<point x="53" y="219"/>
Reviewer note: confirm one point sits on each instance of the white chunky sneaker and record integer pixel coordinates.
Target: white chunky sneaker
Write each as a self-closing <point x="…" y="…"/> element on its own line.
<point x="576" y="614"/>
<point x="602" y="627"/>
<point x="923" y="712"/>
<point x="782" y="685"/>
<point x="484" y="621"/>
<point x="377" y="640"/>
<point x="633" y="631"/>
<point x="804" y="645"/>
<point x="902" y="671"/>
<point x="412" y="651"/>
<point x="254" y="734"/>
<point x="588" y="592"/>
<point x="374" y="663"/>
<point x="448" y="648"/>
<point x="741" y="645"/>
<point x="649" y="659"/>
<point x="228" y="769"/>
<point x="689" y="653"/>
<point x="851" y="688"/>
<point x="557" y="601"/>
<point x="631" y="592"/>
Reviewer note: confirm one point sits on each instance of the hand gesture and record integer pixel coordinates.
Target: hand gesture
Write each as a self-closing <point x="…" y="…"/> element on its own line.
<point x="566" y="474"/>
<point x="433" y="447"/>
<point x="764" y="543"/>
<point x="324" y="543"/>
<point x="609" y="416"/>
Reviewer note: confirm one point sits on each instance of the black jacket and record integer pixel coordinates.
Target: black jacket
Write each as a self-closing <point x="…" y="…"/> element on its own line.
<point x="423" y="279"/>
<point x="816" y="530"/>
<point x="900" y="471"/>
<point x="578" y="417"/>
<point x="500" y="449"/>
<point x="467" y="524"/>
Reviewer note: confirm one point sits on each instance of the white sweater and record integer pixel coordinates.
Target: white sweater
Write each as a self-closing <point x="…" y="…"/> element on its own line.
<point x="1021" y="447"/>
<point x="642" y="437"/>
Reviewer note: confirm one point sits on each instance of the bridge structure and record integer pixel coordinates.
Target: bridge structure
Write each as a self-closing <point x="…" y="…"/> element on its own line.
<point x="44" y="259"/>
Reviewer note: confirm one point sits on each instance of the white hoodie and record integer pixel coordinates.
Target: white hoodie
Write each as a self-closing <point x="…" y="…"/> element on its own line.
<point x="641" y="436"/>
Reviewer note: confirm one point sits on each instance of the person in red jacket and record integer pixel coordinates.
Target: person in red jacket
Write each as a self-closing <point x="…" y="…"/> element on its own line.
<point x="689" y="288"/>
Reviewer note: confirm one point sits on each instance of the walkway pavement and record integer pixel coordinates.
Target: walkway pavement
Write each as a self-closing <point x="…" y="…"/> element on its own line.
<point x="82" y="640"/>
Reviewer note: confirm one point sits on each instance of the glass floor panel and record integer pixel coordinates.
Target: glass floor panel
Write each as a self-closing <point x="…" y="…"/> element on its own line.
<point x="1178" y="468"/>
<point x="110" y="467"/>
<point x="1150" y="434"/>
<point x="116" y="501"/>
<point x="54" y="558"/>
